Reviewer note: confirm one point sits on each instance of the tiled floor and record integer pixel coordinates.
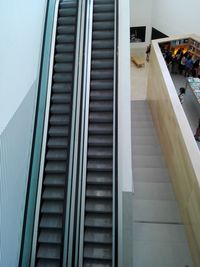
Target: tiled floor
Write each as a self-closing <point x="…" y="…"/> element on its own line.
<point x="159" y="238"/>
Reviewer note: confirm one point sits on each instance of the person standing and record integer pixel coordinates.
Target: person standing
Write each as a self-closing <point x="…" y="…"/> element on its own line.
<point x="197" y="134"/>
<point x="148" y="52"/>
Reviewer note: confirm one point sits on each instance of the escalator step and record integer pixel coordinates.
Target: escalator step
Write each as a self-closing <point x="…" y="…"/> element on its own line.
<point x="101" y="8"/>
<point x="103" y="44"/>
<point x="62" y="87"/>
<point x="98" y="206"/>
<point x="100" y="140"/>
<point x="95" y="220"/>
<point x="102" y="64"/>
<point x="47" y="263"/>
<point x="63" y="67"/>
<point x="65" y="48"/>
<point x="53" y="193"/>
<point x="59" y="167"/>
<point x="67" y="12"/>
<point x="59" y="142"/>
<point x="63" y="39"/>
<point x="100" y="152"/>
<point x="103" y="53"/>
<point x="100" y="192"/>
<point x="94" y="251"/>
<point x="48" y="251"/>
<point x="96" y="165"/>
<point x="99" y="178"/>
<point x="104" y="2"/>
<point x="101" y="85"/>
<point x="101" y="106"/>
<point x="62" y="78"/>
<point x="50" y="236"/>
<point x="67" y="21"/>
<point x="52" y="207"/>
<point x="51" y="221"/>
<point x="59" y="120"/>
<point x="97" y="128"/>
<point x="107" y="16"/>
<point x="56" y="154"/>
<point x="56" y="131"/>
<point x="98" y="236"/>
<point x="61" y="98"/>
<point x="60" y="109"/>
<point x="99" y="95"/>
<point x="106" y="117"/>
<point x="54" y="180"/>
<point x="64" y="57"/>
<point x="66" y="4"/>
<point x="103" y="35"/>
<point x="102" y="74"/>
<point x="66" y="29"/>
<point x="107" y="25"/>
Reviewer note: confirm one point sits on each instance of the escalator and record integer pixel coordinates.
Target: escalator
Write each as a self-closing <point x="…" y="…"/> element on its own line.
<point x="50" y="229"/>
<point x="98" y="227"/>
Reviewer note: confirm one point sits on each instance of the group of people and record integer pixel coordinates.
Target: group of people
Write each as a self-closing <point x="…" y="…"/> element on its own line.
<point x="182" y="63"/>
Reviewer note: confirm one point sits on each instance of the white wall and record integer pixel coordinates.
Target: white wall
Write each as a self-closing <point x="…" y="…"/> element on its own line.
<point x="141" y="15"/>
<point x="21" y="26"/>
<point x="176" y="17"/>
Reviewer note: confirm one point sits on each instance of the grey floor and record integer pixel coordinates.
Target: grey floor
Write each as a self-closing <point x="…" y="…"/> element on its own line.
<point x="190" y="105"/>
<point x="159" y="238"/>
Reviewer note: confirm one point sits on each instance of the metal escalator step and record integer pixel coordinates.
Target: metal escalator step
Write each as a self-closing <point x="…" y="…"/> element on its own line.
<point x="62" y="87"/>
<point x="47" y="263"/>
<point x="102" y="74"/>
<point x="67" y="12"/>
<point x="54" y="180"/>
<point x="99" y="178"/>
<point x="58" y="131"/>
<point x="61" y="98"/>
<point x="97" y="251"/>
<point x="48" y="251"/>
<point x="97" y="165"/>
<point x="104" y="2"/>
<point x="58" y="167"/>
<point x="101" y="8"/>
<point x="52" y="207"/>
<point x="100" y="152"/>
<point x="100" y="191"/>
<point x="65" y="39"/>
<point x="65" y="48"/>
<point x="100" y="140"/>
<point x="96" y="263"/>
<point x="67" y="21"/>
<point x="103" y="53"/>
<point x="53" y="193"/>
<point x="61" y="78"/>
<point x="95" y="220"/>
<point x="101" y="105"/>
<point x="56" y="154"/>
<point x="50" y="236"/>
<point x="57" y="142"/>
<point x="51" y="221"/>
<point x="98" y="206"/>
<point x="63" y="67"/>
<point x="103" y="128"/>
<point x="60" y="109"/>
<point x="107" y="16"/>
<point x="101" y="236"/>
<point x="101" y="95"/>
<point x="66" y="29"/>
<point x="101" y="85"/>
<point x="102" y="64"/>
<point x="106" y="25"/>
<point x="68" y="4"/>
<point x="106" y="117"/>
<point x="102" y="35"/>
<point x="59" y="119"/>
<point x="64" y="57"/>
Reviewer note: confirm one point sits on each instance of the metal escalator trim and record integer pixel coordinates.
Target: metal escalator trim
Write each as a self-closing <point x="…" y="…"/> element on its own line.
<point x="40" y="180"/>
<point x="31" y="194"/>
<point x="72" y="171"/>
<point x="115" y="142"/>
<point x="84" y="130"/>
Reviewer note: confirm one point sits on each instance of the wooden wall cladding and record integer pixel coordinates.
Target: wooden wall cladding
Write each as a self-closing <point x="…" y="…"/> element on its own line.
<point x="179" y="147"/>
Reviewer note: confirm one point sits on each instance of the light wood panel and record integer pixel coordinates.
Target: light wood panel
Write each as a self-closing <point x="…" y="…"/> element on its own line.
<point x="181" y="152"/>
